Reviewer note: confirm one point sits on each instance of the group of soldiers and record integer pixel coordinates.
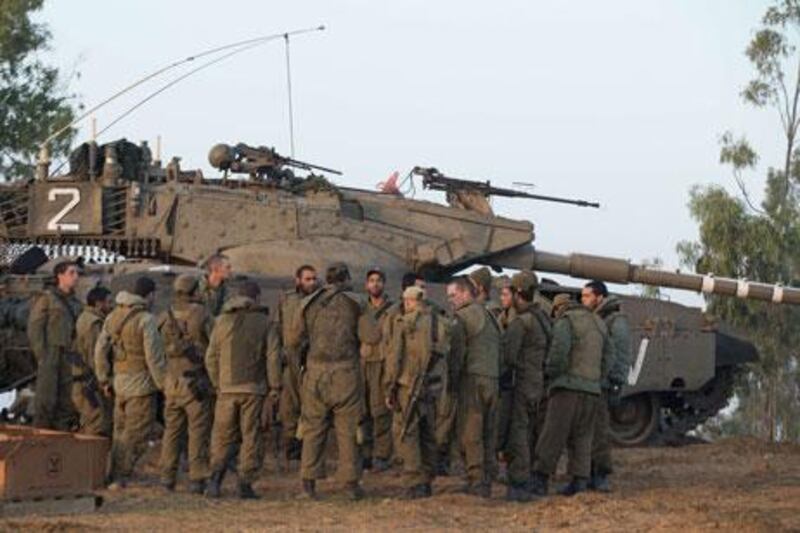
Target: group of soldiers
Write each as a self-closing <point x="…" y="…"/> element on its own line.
<point x="406" y="381"/>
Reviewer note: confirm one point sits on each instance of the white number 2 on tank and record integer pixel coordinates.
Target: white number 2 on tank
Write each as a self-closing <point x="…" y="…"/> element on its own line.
<point x="55" y="223"/>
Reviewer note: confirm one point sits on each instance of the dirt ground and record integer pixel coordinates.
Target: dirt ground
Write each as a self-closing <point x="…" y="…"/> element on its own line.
<point x="731" y="485"/>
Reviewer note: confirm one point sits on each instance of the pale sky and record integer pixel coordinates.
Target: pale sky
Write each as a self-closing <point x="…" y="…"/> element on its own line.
<point x="621" y="102"/>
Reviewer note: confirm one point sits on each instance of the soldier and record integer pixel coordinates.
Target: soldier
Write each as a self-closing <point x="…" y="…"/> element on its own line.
<point x="51" y="333"/>
<point x="243" y="362"/>
<point x="332" y="390"/>
<point x="416" y="375"/>
<point x="213" y="288"/>
<point x="305" y="283"/>
<point x="185" y="328"/>
<point x="138" y="366"/>
<point x="577" y="361"/>
<point x="482" y="281"/>
<point x="377" y="448"/>
<point x="595" y="296"/>
<point x="92" y="405"/>
<point x="506" y="314"/>
<point x="476" y="348"/>
<point x="526" y="342"/>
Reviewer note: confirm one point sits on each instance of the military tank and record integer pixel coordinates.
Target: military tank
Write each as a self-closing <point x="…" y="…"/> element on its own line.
<point x="118" y="205"/>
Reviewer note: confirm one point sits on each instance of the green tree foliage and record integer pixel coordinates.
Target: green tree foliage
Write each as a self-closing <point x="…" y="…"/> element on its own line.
<point x="33" y="102"/>
<point x="760" y="242"/>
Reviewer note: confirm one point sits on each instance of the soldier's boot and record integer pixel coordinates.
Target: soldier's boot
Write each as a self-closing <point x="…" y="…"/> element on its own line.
<point x="293" y="448"/>
<point x="246" y="492"/>
<point x="214" y="489"/>
<point x="168" y="485"/>
<point x="538" y="485"/>
<point x="578" y="484"/>
<point x="517" y="492"/>
<point x="118" y="484"/>
<point x="309" y="490"/>
<point x="599" y="482"/>
<point x="354" y="491"/>
<point x="380" y="465"/>
<point x="197" y="487"/>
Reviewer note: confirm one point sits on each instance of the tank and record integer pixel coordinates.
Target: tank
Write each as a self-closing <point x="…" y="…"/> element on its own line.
<point x="117" y="205"/>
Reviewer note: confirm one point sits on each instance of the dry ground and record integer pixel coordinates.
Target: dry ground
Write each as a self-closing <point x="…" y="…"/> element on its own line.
<point x="740" y="485"/>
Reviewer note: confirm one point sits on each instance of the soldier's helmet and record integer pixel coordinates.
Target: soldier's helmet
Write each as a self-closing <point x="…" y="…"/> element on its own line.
<point x="185" y="284"/>
<point x="560" y="302"/>
<point x="337" y="272"/>
<point x="482" y="278"/>
<point x="524" y="280"/>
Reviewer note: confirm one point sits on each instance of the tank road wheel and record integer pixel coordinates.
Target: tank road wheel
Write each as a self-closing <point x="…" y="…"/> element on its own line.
<point x="635" y="419"/>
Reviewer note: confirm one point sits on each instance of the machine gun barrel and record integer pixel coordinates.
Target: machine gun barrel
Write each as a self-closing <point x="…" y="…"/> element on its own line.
<point x="434" y="180"/>
<point x="309" y="166"/>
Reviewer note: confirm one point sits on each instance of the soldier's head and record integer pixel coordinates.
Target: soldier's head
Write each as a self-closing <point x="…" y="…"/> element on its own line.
<point x="337" y="273"/>
<point x="218" y="268"/>
<point x="524" y="284"/>
<point x="305" y="279"/>
<point x="412" y="279"/>
<point x="412" y="298"/>
<point x="375" y="282"/>
<point x="146" y="288"/>
<point x="593" y="294"/>
<point x="482" y="280"/>
<point x="560" y="304"/>
<point x="250" y="289"/>
<point x="460" y="292"/>
<point x="506" y="297"/>
<point x="100" y="298"/>
<point x="66" y="275"/>
<point x="185" y="285"/>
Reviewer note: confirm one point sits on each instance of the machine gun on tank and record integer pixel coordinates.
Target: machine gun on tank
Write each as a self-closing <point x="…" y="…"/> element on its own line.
<point x="260" y="162"/>
<point x="458" y="190"/>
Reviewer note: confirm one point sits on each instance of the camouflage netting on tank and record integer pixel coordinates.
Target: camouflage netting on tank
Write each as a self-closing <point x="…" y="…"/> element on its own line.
<point x="129" y="156"/>
<point x="313" y="183"/>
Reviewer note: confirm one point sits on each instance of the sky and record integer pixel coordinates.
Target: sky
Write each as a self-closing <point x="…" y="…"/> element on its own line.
<point x="620" y="102"/>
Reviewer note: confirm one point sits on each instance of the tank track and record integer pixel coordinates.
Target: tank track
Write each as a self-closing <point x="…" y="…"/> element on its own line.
<point x="683" y="412"/>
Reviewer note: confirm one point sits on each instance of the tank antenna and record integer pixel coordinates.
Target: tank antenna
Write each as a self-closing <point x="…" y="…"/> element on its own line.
<point x="174" y="64"/>
<point x="289" y="95"/>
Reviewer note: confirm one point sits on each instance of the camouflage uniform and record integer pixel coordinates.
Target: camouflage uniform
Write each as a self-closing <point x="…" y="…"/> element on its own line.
<point x="139" y="368"/>
<point x="506" y="397"/>
<point x="289" y="406"/>
<point x="619" y="331"/>
<point x="526" y="342"/>
<point x="185" y="327"/>
<point x="51" y="333"/>
<point x="476" y="345"/>
<point x="92" y="405"/>
<point x="419" y="358"/>
<point x="332" y="390"/>
<point x="378" y="421"/>
<point x="243" y="360"/>
<point x="577" y="362"/>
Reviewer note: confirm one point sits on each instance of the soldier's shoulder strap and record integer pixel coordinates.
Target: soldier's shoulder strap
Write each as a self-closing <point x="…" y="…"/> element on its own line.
<point x="116" y="332"/>
<point x="64" y="302"/>
<point x="311" y="298"/>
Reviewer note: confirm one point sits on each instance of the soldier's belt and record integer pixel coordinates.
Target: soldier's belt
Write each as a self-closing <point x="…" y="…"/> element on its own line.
<point x="333" y="365"/>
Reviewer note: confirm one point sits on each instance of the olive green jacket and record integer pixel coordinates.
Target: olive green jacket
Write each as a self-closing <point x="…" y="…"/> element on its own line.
<point x="88" y="328"/>
<point x="476" y="341"/>
<point x="525" y="342"/>
<point x="619" y="330"/>
<point x="51" y="323"/>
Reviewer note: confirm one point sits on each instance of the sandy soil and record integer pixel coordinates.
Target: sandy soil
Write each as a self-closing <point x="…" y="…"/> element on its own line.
<point x="740" y="484"/>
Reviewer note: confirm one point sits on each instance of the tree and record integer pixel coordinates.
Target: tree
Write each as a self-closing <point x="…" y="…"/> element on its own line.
<point x="741" y="239"/>
<point x="33" y="102"/>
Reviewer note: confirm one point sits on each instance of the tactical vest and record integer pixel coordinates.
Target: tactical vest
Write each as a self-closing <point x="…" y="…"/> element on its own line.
<point x="182" y="354"/>
<point x="129" y="356"/>
<point x="588" y="337"/>
<point x="427" y="344"/>
<point x="483" y="341"/>
<point x="332" y="322"/>
<point x="243" y="347"/>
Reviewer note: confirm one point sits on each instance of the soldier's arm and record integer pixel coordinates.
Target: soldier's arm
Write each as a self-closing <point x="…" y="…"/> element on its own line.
<point x="92" y="335"/>
<point x="458" y="350"/>
<point x="394" y="354"/>
<point x="154" y="354"/>
<point x="512" y="343"/>
<point x="297" y="330"/>
<point x="212" y="358"/>
<point x="620" y="333"/>
<point x="37" y="327"/>
<point x="558" y="355"/>
<point x="102" y="361"/>
<point x="608" y="367"/>
<point x="273" y="355"/>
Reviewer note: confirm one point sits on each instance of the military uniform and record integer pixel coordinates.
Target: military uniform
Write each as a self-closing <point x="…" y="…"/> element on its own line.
<point x="620" y="335"/>
<point x="476" y="345"/>
<point x="417" y="372"/>
<point x="243" y="361"/>
<point x="378" y="419"/>
<point x="186" y="327"/>
<point x="526" y="342"/>
<point x="577" y="361"/>
<point x="93" y="407"/>
<point x="212" y="297"/>
<point x="51" y="333"/>
<point x="289" y="405"/>
<point x="139" y="367"/>
<point x="333" y="393"/>
<point x="506" y="398"/>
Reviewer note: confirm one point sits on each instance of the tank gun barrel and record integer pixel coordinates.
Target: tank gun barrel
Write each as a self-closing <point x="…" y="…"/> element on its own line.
<point x="623" y="271"/>
<point x="434" y="180"/>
